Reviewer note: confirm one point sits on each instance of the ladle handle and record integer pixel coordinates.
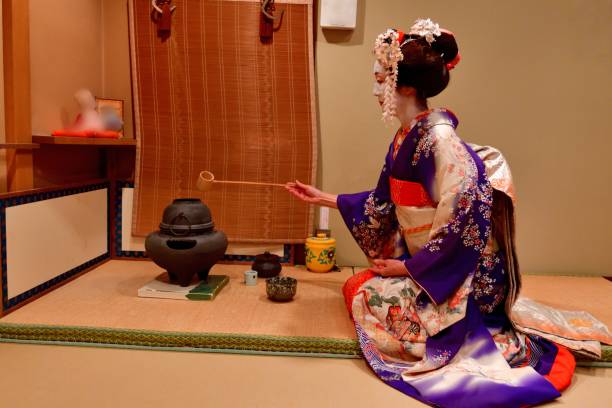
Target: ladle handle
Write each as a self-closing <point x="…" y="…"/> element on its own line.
<point x="252" y="183"/>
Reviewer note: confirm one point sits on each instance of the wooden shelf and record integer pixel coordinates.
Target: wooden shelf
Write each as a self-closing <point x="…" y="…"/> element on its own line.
<point x="19" y="146"/>
<point x="83" y="141"/>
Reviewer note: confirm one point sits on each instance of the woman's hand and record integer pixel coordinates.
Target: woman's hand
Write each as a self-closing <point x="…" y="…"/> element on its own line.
<point x="311" y="194"/>
<point x="389" y="267"/>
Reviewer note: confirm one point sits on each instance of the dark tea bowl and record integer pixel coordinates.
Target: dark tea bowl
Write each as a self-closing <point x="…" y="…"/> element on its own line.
<point x="281" y="288"/>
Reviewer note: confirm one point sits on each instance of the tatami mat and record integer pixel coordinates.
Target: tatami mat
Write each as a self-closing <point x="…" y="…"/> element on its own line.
<point x="107" y="297"/>
<point x="102" y="308"/>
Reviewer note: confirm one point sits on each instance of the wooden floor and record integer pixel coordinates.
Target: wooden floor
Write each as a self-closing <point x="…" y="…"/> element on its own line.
<point x="71" y="377"/>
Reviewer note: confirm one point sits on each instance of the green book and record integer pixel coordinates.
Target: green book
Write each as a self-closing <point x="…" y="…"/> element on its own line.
<point x="161" y="288"/>
<point x="208" y="290"/>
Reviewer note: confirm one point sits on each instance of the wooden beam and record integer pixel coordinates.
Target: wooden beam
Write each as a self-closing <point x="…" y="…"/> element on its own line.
<point x="18" y="146"/>
<point x="17" y="99"/>
<point x="84" y="141"/>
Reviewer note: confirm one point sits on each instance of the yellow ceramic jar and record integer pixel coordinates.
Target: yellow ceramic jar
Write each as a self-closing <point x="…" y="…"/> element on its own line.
<point x="320" y="253"/>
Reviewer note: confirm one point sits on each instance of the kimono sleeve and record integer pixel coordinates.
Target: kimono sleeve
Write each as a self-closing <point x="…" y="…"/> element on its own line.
<point x="461" y="224"/>
<point x="370" y="217"/>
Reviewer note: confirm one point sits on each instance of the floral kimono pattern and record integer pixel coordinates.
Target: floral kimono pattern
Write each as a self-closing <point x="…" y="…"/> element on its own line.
<point x="442" y="334"/>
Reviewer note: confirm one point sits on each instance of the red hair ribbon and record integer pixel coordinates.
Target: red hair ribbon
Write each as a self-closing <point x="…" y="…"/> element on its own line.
<point x="454" y="62"/>
<point x="400" y="37"/>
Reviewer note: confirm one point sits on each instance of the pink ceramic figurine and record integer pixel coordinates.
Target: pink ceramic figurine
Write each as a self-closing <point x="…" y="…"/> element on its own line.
<point x="88" y="118"/>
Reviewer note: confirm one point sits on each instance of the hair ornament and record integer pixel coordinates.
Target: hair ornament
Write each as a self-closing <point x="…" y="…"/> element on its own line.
<point x="426" y="29"/>
<point x="388" y="52"/>
<point x="451" y="65"/>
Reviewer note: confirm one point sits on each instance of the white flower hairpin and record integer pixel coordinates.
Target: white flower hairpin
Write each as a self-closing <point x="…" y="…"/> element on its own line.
<point x="388" y="53"/>
<point x="426" y="29"/>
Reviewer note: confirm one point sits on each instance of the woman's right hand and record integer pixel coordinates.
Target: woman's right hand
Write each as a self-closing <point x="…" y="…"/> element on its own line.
<point x="311" y="194"/>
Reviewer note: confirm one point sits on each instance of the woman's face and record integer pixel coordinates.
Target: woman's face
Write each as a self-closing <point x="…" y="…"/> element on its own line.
<point x="404" y="97"/>
<point x="378" y="89"/>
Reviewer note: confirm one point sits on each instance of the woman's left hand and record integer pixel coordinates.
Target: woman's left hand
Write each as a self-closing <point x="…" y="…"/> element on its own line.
<point x="389" y="267"/>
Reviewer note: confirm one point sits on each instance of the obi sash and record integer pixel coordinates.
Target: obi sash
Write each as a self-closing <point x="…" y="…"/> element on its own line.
<point x="409" y="194"/>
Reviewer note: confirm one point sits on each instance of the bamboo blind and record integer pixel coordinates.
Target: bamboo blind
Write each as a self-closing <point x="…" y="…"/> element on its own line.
<point x="213" y="97"/>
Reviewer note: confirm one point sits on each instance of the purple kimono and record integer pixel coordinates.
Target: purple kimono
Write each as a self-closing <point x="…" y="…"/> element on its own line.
<point x="442" y="334"/>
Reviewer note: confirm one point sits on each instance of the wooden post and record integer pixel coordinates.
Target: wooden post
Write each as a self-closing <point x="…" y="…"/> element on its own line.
<point x="17" y="99"/>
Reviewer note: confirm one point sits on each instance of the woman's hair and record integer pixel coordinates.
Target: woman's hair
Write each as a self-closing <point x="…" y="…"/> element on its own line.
<point x="424" y="66"/>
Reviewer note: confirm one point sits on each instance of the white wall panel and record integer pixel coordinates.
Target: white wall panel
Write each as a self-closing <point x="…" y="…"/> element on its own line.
<point x="47" y="238"/>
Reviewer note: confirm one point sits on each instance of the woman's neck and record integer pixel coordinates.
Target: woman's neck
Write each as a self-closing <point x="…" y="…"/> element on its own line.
<point x="410" y="111"/>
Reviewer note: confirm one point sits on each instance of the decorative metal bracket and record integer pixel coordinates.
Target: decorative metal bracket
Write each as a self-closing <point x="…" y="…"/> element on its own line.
<point x="161" y="14"/>
<point x="267" y="19"/>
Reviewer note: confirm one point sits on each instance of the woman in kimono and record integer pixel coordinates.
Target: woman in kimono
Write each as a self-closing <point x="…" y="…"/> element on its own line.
<point x="432" y="312"/>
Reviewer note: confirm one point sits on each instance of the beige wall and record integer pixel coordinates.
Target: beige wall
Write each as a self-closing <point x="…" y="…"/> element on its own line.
<point x="116" y="58"/>
<point x="65" y="55"/>
<point x="76" y="44"/>
<point x="534" y="81"/>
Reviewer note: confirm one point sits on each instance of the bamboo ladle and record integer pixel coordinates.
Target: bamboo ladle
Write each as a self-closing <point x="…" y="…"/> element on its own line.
<point x="206" y="181"/>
